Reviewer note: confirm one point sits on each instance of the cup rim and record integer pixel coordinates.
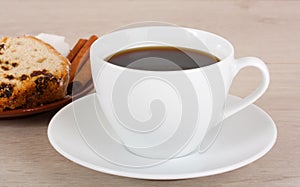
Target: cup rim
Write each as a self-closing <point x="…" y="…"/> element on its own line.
<point x="222" y="60"/>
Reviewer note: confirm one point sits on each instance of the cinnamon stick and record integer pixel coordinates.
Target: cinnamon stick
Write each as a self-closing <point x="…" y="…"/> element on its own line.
<point x="76" y="49"/>
<point x="81" y="57"/>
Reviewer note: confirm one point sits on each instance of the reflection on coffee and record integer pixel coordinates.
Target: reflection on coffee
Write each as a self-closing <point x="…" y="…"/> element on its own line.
<point x="162" y="58"/>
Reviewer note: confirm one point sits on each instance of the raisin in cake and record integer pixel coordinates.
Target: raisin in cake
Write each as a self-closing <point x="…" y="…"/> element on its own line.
<point x="32" y="73"/>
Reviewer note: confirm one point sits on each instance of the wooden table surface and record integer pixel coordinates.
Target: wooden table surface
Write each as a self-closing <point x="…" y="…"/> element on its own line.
<point x="267" y="29"/>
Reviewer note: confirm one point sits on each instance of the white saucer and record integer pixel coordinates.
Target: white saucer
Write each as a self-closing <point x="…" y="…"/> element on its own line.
<point x="244" y="138"/>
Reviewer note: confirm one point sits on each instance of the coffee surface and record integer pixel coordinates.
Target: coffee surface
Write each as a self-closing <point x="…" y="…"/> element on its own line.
<point x="162" y="58"/>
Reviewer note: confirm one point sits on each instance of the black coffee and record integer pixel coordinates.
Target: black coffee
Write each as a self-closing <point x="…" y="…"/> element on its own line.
<point x="162" y="58"/>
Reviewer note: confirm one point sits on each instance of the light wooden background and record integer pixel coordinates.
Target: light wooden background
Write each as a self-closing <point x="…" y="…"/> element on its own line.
<point x="267" y="29"/>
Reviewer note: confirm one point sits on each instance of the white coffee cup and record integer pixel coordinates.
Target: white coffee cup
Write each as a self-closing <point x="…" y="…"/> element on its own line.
<point x="166" y="114"/>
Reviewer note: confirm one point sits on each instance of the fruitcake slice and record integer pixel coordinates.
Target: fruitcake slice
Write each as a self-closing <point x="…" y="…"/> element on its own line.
<point x="32" y="73"/>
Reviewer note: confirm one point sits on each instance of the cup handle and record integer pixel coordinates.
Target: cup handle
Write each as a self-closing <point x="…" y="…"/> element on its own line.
<point x="240" y="64"/>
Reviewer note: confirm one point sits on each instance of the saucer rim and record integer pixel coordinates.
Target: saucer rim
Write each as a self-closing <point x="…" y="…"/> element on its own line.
<point x="137" y="175"/>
